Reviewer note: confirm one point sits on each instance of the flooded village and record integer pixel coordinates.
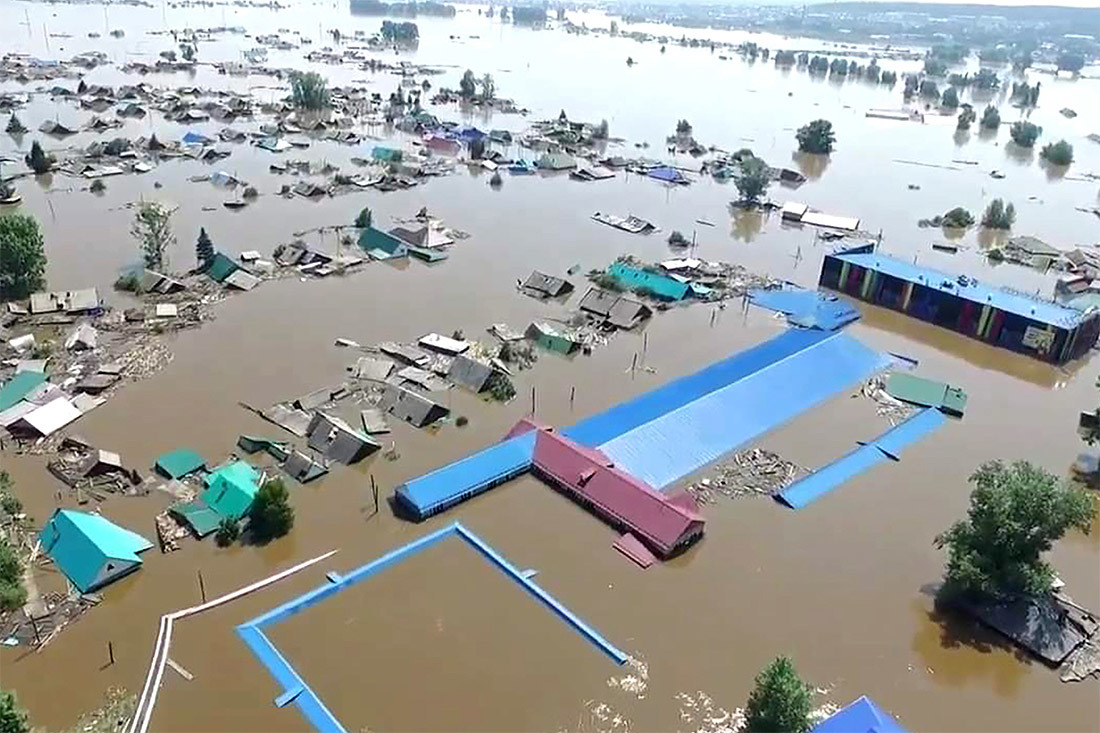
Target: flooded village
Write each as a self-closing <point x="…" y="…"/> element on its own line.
<point x="431" y="367"/>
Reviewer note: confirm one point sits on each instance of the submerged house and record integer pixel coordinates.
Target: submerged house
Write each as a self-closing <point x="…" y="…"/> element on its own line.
<point x="653" y="283"/>
<point x="1009" y="319"/>
<point x="614" y="309"/>
<point x="411" y="407"/>
<point x="89" y="549"/>
<point x="861" y="715"/>
<point x="541" y="285"/>
<point x="231" y="489"/>
<point x="337" y="440"/>
<point x="551" y="338"/>
<point x="380" y="245"/>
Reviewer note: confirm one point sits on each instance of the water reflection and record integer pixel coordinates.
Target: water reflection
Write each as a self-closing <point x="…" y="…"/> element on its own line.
<point x="811" y="165"/>
<point x="44" y="181"/>
<point x="961" y="137"/>
<point x="989" y="238"/>
<point x="1019" y="154"/>
<point x="954" y="234"/>
<point x="1055" y="172"/>
<point x="746" y="224"/>
<point x="957" y="651"/>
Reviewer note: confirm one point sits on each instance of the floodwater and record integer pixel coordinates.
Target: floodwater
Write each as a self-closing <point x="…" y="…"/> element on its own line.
<point x="441" y="644"/>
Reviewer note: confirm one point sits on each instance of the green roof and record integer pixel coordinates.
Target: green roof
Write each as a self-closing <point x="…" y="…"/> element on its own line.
<point x="221" y="267"/>
<point x="231" y="489"/>
<point x="179" y="463"/>
<point x="926" y="392"/>
<point x="635" y="278"/>
<point x="376" y="239"/>
<point x="202" y="519"/>
<point x="19" y="387"/>
<point x="383" y="153"/>
<point x="84" y="546"/>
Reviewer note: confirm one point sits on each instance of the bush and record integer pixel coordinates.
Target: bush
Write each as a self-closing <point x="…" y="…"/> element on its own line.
<point x="462" y="421"/>
<point x="934" y="67"/>
<point x="1024" y="134"/>
<point x="13" y="719"/>
<point x="500" y="387"/>
<point x="966" y="118"/>
<point x="950" y="98"/>
<point x="677" y="239"/>
<point x="683" y="127"/>
<point x="128" y="283"/>
<point x="271" y="514"/>
<point x="958" y="217"/>
<point x="816" y="137"/>
<point x="38" y="160"/>
<point x="495" y="180"/>
<point x="999" y="216"/>
<point x="228" y="532"/>
<point x="98" y="186"/>
<point x="607" y="282"/>
<point x="991" y="118"/>
<point x="1059" y="153"/>
<point x="15" y="126"/>
<point x="601" y="131"/>
<point x="12" y="593"/>
<point x="890" y="78"/>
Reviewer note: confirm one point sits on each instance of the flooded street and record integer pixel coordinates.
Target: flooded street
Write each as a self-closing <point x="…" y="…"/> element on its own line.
<point x="442" y="642"/>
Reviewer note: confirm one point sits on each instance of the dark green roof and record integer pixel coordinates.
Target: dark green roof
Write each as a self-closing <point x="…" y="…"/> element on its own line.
<point x="201" y="518"/>
<point x="179" y="463"/>
<point x="371" y="238"/>
<point x="221" y="267"/>
<point x="19" y="387"/>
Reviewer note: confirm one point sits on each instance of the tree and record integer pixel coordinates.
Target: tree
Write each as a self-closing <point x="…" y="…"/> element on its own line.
<point x="1024" y="134"/>
<point x="966" y="117"/>
<point x="816" y="137"/>
<point x="23" y="256"/>
<point x="754" y="179"/>
<point x="271" y="514"/>
<point x="1016" y="514"/>
<point x="404" y="33"/>
<point x="228" y="532"/>
<point x="152" y="228"/>
<point x="204" y="249"/>
<point x="683" y="127"/>
<point x="929" y="88"/>
<point x="958" y="218"/>
<point x="601" y="131"/>
<point x="889" y="78"/>
<point x="13" y="719"/>
<point x="934" y="67"/>
<point x="467" y="86"/>
<point x="991" y="118"/>
<point x="780" y="701"/>
<point x="12" y="593"/>
<point x="488" y="88"/>
<point x="38" y="160"/>
<point x="309" y="90"/>
<point x="365" y="218"/>
<point x="614" y="29"/>
<point x="187" y="51"/>
<point x="1071" y="62"/>
<point x="15" y="125"/>
<point x="999" y="216"/>
<point x="1059" y="153"/>
<point x="950" y="98"/>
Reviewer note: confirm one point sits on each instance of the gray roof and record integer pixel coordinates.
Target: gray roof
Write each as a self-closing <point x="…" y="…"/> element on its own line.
<point x="376" y="369"/>
<point x="470" y="373"/>
<point x="626" y="313"/>
<point x="314" y="399"/>
<point x="411" y="407"/>
<point x="404" y="352"/>
<point x="70" y="301"/>
<point x="302" y="468"/>
<point x="288" y="418"/>
<point x="338" y="440"/>
<point x="374" y="421"/>
<point x="598" y="301"/>
<point x="242" y="280"/>
<point x="81" y="337"/>
<point x="547" y="284"/>
<point x="96" y="383"/>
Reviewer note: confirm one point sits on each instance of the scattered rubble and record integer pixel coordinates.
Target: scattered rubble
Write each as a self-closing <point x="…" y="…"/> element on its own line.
<point x="754" y="472"/>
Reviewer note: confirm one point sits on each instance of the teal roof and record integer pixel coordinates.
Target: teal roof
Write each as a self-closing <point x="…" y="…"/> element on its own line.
<point x="376" y="239"/>
<point x="221" y="267"/>
<point x="19" y="387"/>
<point x="635" y="278"/>
<point x="83" y="545"/>
<point x="179" y="463"/>
<point x="203" y="519"/>
<point x="231" y="489"/>
<point x="384" y="153"/>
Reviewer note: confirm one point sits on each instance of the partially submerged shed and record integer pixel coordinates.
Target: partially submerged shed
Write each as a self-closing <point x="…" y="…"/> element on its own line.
<point x="649" y="282"/>
<point x="231" y="489"/>
<point x="302" y="468"/>
<point x="546" y="286"/>
<point x="411" y="407"/>
<point x="178" y="463"/>
<point x="470" y="373"/>
<point x="339" y="441"/>
<point x="551" y="338"/>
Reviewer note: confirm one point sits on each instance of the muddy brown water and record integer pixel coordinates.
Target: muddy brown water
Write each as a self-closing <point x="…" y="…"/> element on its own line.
<point x="443" y="642"/>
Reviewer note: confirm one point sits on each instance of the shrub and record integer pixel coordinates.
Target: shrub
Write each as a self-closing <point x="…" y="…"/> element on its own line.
<point x="991" y="118"/>
<point x="38" y="160"/>
<point x="677" y="239"/>
<point x="1024" y="134"/>
<point x="958" y="217"/>
<point x="1059" y="153"/>
<point x="98" y="186"/>
<point x="816" y="137"/>
<point x="228" y="532"/>
<point x="999" y="216"/>
<point x="128" y="283"/>
<point x="308" y="90"/>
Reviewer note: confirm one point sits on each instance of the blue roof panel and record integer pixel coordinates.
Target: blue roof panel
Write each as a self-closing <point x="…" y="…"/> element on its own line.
<point x="861" y="716"/>
<point x="685" y="438"/>
<point x="808" y="308"/>
<point x="1019" y="304"/>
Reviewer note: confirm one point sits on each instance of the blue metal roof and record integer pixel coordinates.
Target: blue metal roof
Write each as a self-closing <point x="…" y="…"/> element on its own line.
<point x="475" y="473"/>
<point x="82" y="543"/>
<point x="1019" y="304"/>
<point x="684" y="438"/>
<point x="807" y="308"/>
<point x="602" y="427"/>
<point x="861" y="716"/>
<point x="885" y="447"/>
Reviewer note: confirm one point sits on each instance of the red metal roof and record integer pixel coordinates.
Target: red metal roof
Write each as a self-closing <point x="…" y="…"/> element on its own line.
<point x="524" y="425"/>
<point x="618" y="495"/>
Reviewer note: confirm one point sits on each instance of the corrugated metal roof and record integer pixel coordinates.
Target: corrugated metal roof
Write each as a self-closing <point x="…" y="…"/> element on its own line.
<point x="231" y="489"/>
<point x="19" y="387"/>
<point x="887" y="446"/>
<point x="221" y="267"/>
<point x="82" y="544"/>
<point x="619" y="496"/>
<point x="411" y="407"/>
<point x="807" y="308"/>
<point x="861" y="716"/>
<point x="181" y="462"/>
<point x="660" y="285"/>
<point x="1008" y="301"/>
<point x="473" y="474"/>
<point x="49" y="418"/>
<point x="682" y="439"/>
<point x="202" y="519"/>
<point x="470" y="373"/>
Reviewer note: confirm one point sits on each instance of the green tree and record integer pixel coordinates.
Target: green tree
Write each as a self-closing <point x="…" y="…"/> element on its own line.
<point x="999" y="216"/>
<point x="467" y="86"/>
<point x="38" y="160"/>
<point x="966" y="117"/>
<point x="780" y="701"/>
<point x="187" y="51"/>
<point x="991" y="118"/>
<point x="228" y="532"/>
<point x="934" y="67"/>
<point x="12" y="593"/>
<point x="1059" y="153"/>
<point x="816" y="137"/>
<point x="950" y="98"/>
<point x="683" y="127"/>
<point x="309" y="90"/>
<point x="754" y="179"/>
<point x="152" y="228"/>
<point x="15" y="125"/>
<point x="23" y="256"/>
<point x="204" y="249"/>
<point x="488" y="88"/>
<point x="1024" y="134"/>
<point x="930" y="89"/>
<point x="1017" y="512"/>
<point x="271" y="514"/>
<point x="364" y="218"/>
<point x="13" y="719"/>
<point x="958" y="217"/>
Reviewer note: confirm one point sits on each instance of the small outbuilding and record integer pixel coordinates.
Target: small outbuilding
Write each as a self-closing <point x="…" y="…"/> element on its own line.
<point x="231" y="489"/>
<point x="339" y="441"/>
